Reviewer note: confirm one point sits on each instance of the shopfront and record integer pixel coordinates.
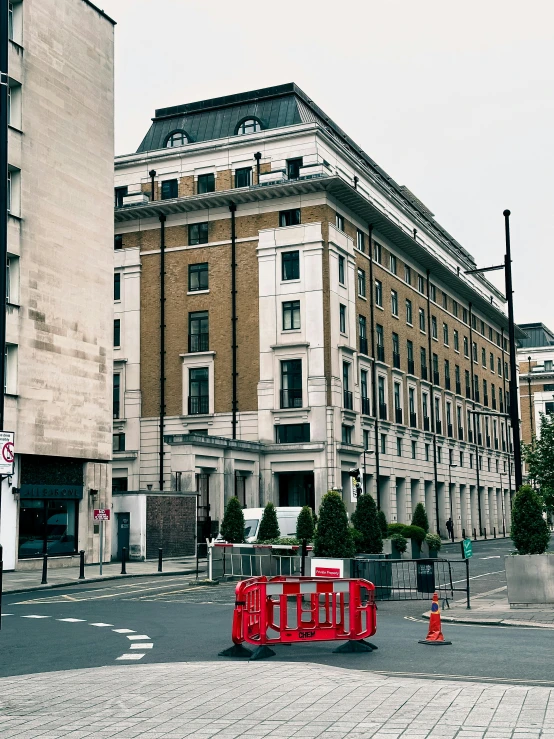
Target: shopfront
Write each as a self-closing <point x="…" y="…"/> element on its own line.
<point x="48" y="519"/>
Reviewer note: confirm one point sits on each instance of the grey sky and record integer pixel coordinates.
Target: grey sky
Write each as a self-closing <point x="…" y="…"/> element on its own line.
<point x="454" y="100"/>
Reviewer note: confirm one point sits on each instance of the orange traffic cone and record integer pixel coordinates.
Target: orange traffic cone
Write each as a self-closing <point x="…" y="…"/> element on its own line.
<point x="435" y="631"/>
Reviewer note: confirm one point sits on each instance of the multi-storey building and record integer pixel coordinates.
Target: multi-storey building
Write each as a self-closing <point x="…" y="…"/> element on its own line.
<point x="286" y="312"/>
<point x="59" y="310"/>
<point x="535" y="356"/>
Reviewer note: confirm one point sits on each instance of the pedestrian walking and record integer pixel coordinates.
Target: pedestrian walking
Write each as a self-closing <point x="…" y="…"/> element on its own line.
<point x="450" y="528"/>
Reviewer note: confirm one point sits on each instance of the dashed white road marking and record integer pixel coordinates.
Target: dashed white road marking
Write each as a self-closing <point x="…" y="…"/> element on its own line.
<point x="495" y="556"/>
<point x="35" y="617"/>
<point x="72" y="620"/>
<point x="100" y="625"/>
<point x="142" y="645"/>
<point x="131" y="656"/>
<point x="7" y="614"/>
<point x="139" y="636"/>
<point x="124" y="631"/>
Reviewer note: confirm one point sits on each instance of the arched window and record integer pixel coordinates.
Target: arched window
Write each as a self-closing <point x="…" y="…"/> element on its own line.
<point x="250" y="125"/>
<point x="177" y="138"/>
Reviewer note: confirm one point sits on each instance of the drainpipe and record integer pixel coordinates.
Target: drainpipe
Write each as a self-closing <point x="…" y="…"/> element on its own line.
<point x="257" y="157"/>
<point x="4" y="46"/>
<point x="373" y="368"/>
<point x="432" y="395"/>
<point x="162" y="346"/>
<point x="152" y="174"/>
<point x="530" y="403"/>
<point x="474" y="418"/>
<point x="233" y="209"/>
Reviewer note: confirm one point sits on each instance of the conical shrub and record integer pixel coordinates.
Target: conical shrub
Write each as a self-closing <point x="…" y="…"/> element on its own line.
<point x="383" y="524"/>
<point x="420" y="518"/>
<point x="232" y="526"/>
<point x="529" y="531"/>
<point x="333" y="537"/>
<point x="366" y="521"/>
<point x="269" y="528"/>
<point x="305" y="525"/>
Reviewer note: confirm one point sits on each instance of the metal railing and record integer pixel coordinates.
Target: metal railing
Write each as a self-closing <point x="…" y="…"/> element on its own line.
<point x="423" y="372"/>
<point x="383" y="411"/>
<point x="396" y="360"/>
<point x="413" y="420"/>
<point x="199" y="342"/>
<point x="380" y="353"/>
<point x="460" y="433"/>
<point x="458" y="388"/>
<point x="291" y="398"/>
<point x="363" y="345"/>
<point x="426" y="423"/>
<point x="398" y="415"/>
<point x="347" y="400"/>
<point x="411" y="367"/>
<point x="366" y="406"/>
<point x="199" y="404"/>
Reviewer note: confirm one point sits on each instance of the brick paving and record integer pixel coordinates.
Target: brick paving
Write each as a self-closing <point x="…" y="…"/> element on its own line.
<point x="266" y="700"/>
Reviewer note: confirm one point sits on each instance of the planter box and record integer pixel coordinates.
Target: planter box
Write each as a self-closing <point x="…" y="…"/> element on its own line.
<point x="413" y="551"/>
<point x="530" y="579"/>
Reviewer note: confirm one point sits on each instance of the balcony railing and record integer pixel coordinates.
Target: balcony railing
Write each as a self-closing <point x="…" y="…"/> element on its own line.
<point x="366" y="407"/>
<point x="426" y="424"/>
<point x="347" y="399"/>
<point x="199" y="342"/>
<point x="450" y="430"/>
<point x="413" y="420"/>
<point x="363" y="345"/>
<point x="398" y="415"/>
<point x="380" y="353"/>
<point x="436" y="378"/>
<point x="411" y="367"/>
<point x="458" y="388"/>
<point x="396" y="360"/>
<point x="291" y="398"/>
<point x="199" y="404"/>
<point x="383" y="411"/>
<point x="447" y="382"/>
<point x="423" y="372"/>
<point x="438" y="427"/>
<point x="460" y="433"/>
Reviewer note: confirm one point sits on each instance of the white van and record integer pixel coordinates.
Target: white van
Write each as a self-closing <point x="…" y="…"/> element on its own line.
<point x="286" y="518"/>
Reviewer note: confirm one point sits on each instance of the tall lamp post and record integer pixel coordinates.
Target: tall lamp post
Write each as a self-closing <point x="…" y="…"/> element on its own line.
<point x="514" y="402"/>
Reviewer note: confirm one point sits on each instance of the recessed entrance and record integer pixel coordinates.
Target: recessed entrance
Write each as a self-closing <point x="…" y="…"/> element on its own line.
<point x="296" y="489"/>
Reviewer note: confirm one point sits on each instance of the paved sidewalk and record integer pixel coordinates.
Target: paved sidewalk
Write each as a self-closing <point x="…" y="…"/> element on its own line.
<point x="256" y="700"/>
<point x="492" y="609"/>
<point x="21" y="580"/>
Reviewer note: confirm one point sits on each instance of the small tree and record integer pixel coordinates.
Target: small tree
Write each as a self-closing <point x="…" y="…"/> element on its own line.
<point x="420" y="518"/>
<point x="305" y="525"/>
<point x="365" y="520"/>
<point x="383" y="525"/>
<point x="269" y="528"/>
<point x="333" y="537"/>
<point x="539" y="456"/>
<point x="232" y="526"/>
<point x="529" y="529"/>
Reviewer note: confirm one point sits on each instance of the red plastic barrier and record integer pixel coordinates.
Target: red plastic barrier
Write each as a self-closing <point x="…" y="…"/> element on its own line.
<point x="325" y="610"/>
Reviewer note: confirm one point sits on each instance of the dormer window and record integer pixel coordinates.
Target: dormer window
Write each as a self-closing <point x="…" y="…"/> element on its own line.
<point x="177" y="138"/>
<point x="250" y="125"/>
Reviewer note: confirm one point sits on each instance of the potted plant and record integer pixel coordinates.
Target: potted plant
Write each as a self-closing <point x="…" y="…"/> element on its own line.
<point x="434" y="544"/>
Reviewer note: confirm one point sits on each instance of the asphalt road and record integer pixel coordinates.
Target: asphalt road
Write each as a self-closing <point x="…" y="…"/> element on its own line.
<point x="112" y="623"/>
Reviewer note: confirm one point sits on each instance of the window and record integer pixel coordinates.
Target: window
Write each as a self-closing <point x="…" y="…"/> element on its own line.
<point x="434" y="329"/>
<point x="474" y="323"/>
<point x="116" y="395"/>
<point x="410" y="355"/>
<point x="116" y="285"/>
<point x="447" y="373"/>
<point x="249" y="125"/>
<point x="12" y="280"/>
<point x="206" y="183"/>
<point x="14" y="191"/>
<point x="549" y="409"/>
<point x="198" y="234"/>
<point x="10" y="21"/>
<point x="342" y="319"/>
<point x="499" y="367"/>
<point x="291" y="315"/>
<point x="445" y="333"/>
<point x="422" y="320"/>
<point x="362" y="333"/>
<point x="366" y="439"/>
<point x="483" y="357"/>
<point x="346" y="434"/>
<point x="407" y="274"/>
<point x="439" y="455"/>
<point x="290" y="265"/>
<point x="170" y="189"/>
<point x="10" y="369"/>
<point x="397" y="399"/>
<point x="490" y="333"/>
<point x="482" y="328"/>
<point x="427" y="452"/>
<point x="382" y="396"/>
<point x="118" y="442"/>
<point x="471" y="461"/>
<point x="383" y="443"/>
<point x="456" y="341"/>
<point x="363" y="386"/>
<point x="377" y="252"/>
<point x="458" y="379"/>
<point x="395" y="351"/>
<point x="464" y="315"/>
<point x="292" y="433"/>
<point x="198" y="277"/>
<point x="414" y="449"/>
<point x="380" y="342"/>
<point x="398" y="446"/>
<point x="445" y="301"/>
<point x="198" y="391"/>
<point x="119" y="194"/>
<point x="199" y="338"/>
<point x="455" y="308"/>
<point x="293" y="168"/>
<point x="177" y="138"/>
<point x="361" y="283"/>
<point x="392" y="263"/>
<point x="548" y="365"/>
<point x="409" y="316"/>
<point x="360" y="240"/>
<point x="379" y="293"/>
<point x="461" y="459"/>
<point x="289" y="217"/>
<point x="466" y="347"/>
<point x="491" y="361"/>
<point x="339" y="222"/>
<point x="435" y="369"/>
<point x="433" y="293"/>
<point x="548" y="388"/>
<point x="341" y="270"/>
<point x="421" y="284"/>
<point x="291" y="383"/>
<point x="118" y="241"/>
<point x="243" y="177"/>
<point x="14" y="104"/>
<point x="425" y="406"/>
<point x="468" y="385"/>
<point x="117" y="332"/>
<point x="394" y="302"/>
<point x="423" y="358"/>
<point x="15" y="22"/>
<point x="474" y="349"/>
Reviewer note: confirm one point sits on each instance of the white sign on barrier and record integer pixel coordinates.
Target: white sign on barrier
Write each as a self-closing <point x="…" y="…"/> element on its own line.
<point x="325" y="567"/>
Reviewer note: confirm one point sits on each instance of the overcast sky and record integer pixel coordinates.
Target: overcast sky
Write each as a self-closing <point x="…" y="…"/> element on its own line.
<point x="454" y="100"/>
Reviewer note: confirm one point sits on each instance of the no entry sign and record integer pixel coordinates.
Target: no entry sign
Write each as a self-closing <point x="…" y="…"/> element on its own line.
<point x="101" y="514"/>
<point x="7" y="453"/>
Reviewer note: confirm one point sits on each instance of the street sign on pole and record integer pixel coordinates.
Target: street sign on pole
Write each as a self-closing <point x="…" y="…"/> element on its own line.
<point x="7" y="455"/>
<point x="467" y="549"/>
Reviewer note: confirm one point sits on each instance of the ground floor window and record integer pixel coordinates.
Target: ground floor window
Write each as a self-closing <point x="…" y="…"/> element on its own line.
<point x="296" y="489"/>
<point x="47" y="527"/>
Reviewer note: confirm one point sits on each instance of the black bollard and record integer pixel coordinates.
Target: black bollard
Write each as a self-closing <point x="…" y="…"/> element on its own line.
<point x="494" y="531"/>
<point x="463" y="533"/>
<point x="44" y="580"/>
<point x="123" y="558"/>
<point x="485" y="533"/>
<point x="474" y="534"/>
<point x="82" y="564"/>
<point x="160" y="560"/>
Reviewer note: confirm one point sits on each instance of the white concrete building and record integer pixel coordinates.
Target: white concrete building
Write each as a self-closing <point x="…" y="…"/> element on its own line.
<point x="60" y="276"/>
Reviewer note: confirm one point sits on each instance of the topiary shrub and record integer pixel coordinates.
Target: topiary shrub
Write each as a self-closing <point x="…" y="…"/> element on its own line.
<point x="305" y="528"/>
<point x="333" y="537"/>
<point x="529" y="532"/>
<point x="383" y="525"/>
<point x="232" y="526"/>
<point x="420" y="518"/>
<point x="433" y="541"/>
<point x="364" y="520"/>
<point x="395" y="528"/>
<point x="269" y="528"/>
<point x="400" y="543"/>
<point x="409" y="532"/>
